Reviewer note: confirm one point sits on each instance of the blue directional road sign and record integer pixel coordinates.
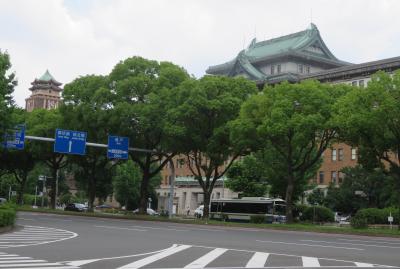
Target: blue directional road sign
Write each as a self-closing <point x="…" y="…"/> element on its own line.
<point x="70" y="142"/>
<point x="15" y="139"/>
<point x="117" y="147"/>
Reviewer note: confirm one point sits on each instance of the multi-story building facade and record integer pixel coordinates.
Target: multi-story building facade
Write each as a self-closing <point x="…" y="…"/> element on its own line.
<point x="295" y="57"/>
<point x="45" y="93"/>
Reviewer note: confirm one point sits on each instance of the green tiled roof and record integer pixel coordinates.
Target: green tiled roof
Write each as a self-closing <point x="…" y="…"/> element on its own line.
<point x="294" y="43"/>
<point x="47" y="76"/>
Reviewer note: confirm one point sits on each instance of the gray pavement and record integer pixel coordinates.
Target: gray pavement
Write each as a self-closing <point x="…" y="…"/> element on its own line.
<point x="56" y="241"/>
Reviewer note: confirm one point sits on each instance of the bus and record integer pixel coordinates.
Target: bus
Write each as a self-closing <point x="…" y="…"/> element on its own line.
<point x="274" y="209"/>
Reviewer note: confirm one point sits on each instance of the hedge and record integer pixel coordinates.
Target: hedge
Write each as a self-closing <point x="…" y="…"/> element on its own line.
<point x="378" y="216"/>
<point x="7" y="215"/>
<point x="318" y="214"/>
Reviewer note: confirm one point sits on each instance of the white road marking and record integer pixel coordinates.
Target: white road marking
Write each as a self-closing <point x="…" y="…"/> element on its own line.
<point x="12" y="261"/>
<point x="22" y="261"/>
<point x="160" y="228"/>
<point x="353" y="244"/>
<point x="119" y="228"/>
<point x="206" y="259"/>
<point x="360" y="264"/>
<point x="310" y="262"/>
<point x="308" y="245"/>
<point x="258" y="260"/>
<point x="155" y="257"/>
<point x="34" y="235"/>
<point x="369" y="241"/>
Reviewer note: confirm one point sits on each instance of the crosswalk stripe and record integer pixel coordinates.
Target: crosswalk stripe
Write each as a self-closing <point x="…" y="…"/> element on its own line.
<point x="14" y="258"/>
<point x="258" y="260"/>
<point x="360" y="264"/>
<point x="206" y="259"/>
<point x="310" y="262"/>
<point x="27" y="265"/>
<point x="52" y="267"/>
<point x="155" y="257"/>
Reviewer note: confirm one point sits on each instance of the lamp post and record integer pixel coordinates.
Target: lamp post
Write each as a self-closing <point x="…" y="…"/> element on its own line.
<point x="43" y="179"/>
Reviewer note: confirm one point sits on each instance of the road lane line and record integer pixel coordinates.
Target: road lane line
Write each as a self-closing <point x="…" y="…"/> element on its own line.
<point x="21" y="261"/>
<point x="155" y="257"/>
<point x="360" y="264"/>
<point x="258" y="260"/>
<point x="310" y="262"/>
<point x="353" y="244"/>
<point x="120" y="228"/>
<point x="206" y="259"/>
<point x="308" y="245"/>
<point x="160" y="228"/>
<point x="369" y="241"/>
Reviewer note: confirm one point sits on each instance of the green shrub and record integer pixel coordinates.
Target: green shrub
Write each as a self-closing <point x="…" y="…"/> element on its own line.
<point x="257" y="219"/>
<point x="318" y="214"/>
<point x="7" y="215"/>
<point x="358" y="223"/>
<point x="299" y="210"/>
<point x="378" y="216"/>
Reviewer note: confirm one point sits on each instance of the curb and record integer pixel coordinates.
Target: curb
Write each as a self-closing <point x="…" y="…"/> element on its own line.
<point x="6" y="229"/>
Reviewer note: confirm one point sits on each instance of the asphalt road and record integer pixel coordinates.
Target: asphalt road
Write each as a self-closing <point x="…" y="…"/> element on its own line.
<point x="55" y="241"/>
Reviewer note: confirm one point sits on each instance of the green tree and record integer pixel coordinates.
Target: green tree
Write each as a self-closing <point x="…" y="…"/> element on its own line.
<point x="370" y="118"/>
<point x="295" y="121"/>
<point x="87" y="108"/>
<point x="7" y="84"/>
<point x="142" y="96"/>
<point x="248" y="177"/>
<point x="201" y="120"/>
<point x="43" y="123"/>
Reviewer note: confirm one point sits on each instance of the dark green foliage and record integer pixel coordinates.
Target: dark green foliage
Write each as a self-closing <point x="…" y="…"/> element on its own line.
<point x="7" y="215"/>
<point x="318" y="214"/>
<point x="247" y="177"/>
<point x="378" y="216"/>
<point x="299" y="210"/>
<point x="362" y="188"/>
<point x="257" y="219"/>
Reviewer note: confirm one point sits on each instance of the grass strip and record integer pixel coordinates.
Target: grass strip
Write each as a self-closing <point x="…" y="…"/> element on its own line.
<point x="304" y="227"/>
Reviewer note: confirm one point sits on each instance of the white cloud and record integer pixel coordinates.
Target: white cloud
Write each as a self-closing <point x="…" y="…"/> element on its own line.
<point x="72" y="39"/>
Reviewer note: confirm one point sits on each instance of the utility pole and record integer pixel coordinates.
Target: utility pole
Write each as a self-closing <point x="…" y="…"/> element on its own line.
<point x="171" y="189"/>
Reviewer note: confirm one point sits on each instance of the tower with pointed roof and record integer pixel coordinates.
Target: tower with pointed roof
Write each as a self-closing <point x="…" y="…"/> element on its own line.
<point x="45" y="93"/>
<point x="284" y="58"/>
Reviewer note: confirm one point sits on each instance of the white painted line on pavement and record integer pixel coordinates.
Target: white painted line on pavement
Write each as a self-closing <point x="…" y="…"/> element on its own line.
<point x="155" y="257"/>
<point x="206" y="259"/>
<point x="353" y="244"/>
<point x="258" y="260"/>
<point x="308" y="245"/>
<point x="82" y="262"/>
<point x="369" y="241"/>
<point x="120" y="228"/>
<point x="22" y="261"/>
<point x="160" y="228"/>
<point x="310" y="262"/>
<point x="360" y="264"/>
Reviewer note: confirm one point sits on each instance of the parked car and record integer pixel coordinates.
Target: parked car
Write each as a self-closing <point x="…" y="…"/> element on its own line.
<point x="76" y="207"/>
<point x="198" y="213"/>
<point x="103" y="206"/>
<point x="150" y="212"/>
<point x="3" y="200"/>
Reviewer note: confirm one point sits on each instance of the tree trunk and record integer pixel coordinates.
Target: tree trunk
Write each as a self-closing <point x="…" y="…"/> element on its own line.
<point x="144" y="192"/>
<point x="91" y="190"/>
<point x="20" y="197"/>
<point x="289" y="198"/>
<point x="206" y="210"/>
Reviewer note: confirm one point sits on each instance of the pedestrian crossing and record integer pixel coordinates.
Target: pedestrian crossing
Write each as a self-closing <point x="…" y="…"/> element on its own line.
<point x="182" y="256"/>
<point x="34" y="235"/>
<point x="13" y="261"/>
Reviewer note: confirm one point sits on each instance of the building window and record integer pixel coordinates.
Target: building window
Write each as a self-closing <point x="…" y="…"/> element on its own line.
<point x="341" y="155"/>
<point x="321" y="177"/>
<point x="334" y="176"/>
<point x="334" y="154"/>
<point x="278" y="68"/>
<point x="354" y="83"/>
<point x="272" y="69"/>
<point x="301" y="68"/>
<point x="361" y="83"/>
<point x="353" y="153"/>
<point x="308" y="69"/>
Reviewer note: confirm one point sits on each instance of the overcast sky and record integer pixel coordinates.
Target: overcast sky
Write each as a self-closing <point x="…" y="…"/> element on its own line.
<point x="73" y="38"/>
